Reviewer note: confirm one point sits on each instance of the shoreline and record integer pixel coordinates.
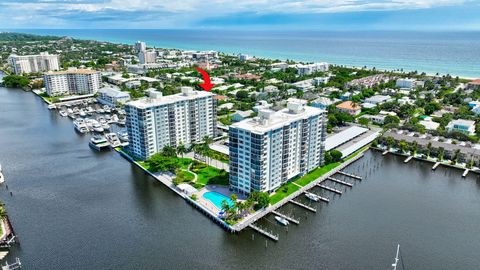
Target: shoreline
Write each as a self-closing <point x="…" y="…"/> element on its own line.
<point x="235" y="52"/>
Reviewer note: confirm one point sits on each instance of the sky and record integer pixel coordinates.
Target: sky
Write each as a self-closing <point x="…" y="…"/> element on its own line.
<point x="434" y="15"/>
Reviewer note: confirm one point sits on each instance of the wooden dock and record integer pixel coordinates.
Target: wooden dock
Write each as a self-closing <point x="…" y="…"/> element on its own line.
<point x="340" y="181"/>
<point x="435" y="165"/>
<point x="465" y="173"/>
<point x="265" y="233"/>
<point x="408" y="159"/>
<point x="350" y="175"/>
<point x="330" y="189"/>
<point x="304" y="206"/>
<point x="286" y="217"/>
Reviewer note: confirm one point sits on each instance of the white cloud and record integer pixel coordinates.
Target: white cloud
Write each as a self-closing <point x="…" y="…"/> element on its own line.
<point x="175" y="12"/>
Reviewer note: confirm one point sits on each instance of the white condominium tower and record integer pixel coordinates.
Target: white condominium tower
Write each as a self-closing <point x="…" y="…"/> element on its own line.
<point x="140" y="46"/>
<point x="185" y="118"/>
<point x="74" y="81"/>
<point x="269" y="150"/>
<point x="33" y="63"/>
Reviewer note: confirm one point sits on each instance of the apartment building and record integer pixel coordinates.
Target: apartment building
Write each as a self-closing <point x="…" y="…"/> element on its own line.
<point x="311" y="68"/>
<point x="72" y="82"/>
<point x="271" y="149"/>
<point x="184" y="118"/>
<point x="33" y="63"/>
<point x="147" y="57"/>
<point x="140" y="46"/>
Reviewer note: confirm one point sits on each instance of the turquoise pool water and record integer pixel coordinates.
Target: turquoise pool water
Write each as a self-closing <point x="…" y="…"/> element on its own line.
<point x="217" y="199"/>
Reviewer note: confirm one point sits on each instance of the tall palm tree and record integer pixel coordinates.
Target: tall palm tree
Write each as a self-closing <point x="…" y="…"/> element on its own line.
<point x="181" y="149"/>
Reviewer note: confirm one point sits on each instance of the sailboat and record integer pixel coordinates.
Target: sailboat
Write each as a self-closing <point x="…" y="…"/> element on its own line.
<point x="395" y="264"/>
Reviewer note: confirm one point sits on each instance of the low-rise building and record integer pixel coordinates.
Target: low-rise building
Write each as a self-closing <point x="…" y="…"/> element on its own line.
<point x="461" y="125"/>
<point x="241" y="115"/>
<point x="349" y="107"/>
<point x="322" y="103"/>
<point x="406" y="83"/>
<point x="112" y="96"/>
<point x="378" y="99"/>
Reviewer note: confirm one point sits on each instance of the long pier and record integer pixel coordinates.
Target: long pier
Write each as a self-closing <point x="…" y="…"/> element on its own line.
<point x="340" y="181"/>
<point x="330" y="189"/>
<point x="436" y="165"/>
<point x="262" y="231"/>
<point x="350" y="175"/>
<point x="304" y="206"/>
<point x="286" y="217"/>
<point x="465" y="173"/>
<point x="407" y="159"/>
<point x="385" y="152"/>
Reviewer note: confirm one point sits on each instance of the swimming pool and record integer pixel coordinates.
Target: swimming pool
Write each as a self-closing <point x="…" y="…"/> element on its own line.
<point x="217" y="199"/>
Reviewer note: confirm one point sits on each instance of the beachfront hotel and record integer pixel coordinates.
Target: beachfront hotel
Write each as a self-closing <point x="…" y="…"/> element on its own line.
<point x="274" y="147"/>
<point x="33" y="63"/>
<point x="157" y="121"/>
<point x="72" y="82"/>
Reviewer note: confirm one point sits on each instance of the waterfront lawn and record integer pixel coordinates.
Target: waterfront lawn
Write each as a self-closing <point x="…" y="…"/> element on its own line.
<point x="208" y="175"/>
<point x="182" y="176"/>
<point x="290" y="187"/>
<point x="309" y="177"/>
<point x="283" y="192"/>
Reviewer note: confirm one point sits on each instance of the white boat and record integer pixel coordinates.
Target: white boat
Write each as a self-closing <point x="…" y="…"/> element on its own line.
<point x="97" y="127"/>
<point x="2" y="178"/>
<point x="99" y="143"/>
<point x="69" y="111"/>
<point x="80" y="126"/>
<point x="52" y="106"/>
<point x="312" y="196"/>
<point x="72" y="116"/>
<point x="82" y="113"/>
<point x="123" y="135"/>
<point x="395" y="264"/>
<point x="105" y="126"/>
<point x="282" y="220"/>
<point x="63" y="113"/>
<point x="113" y="139"/>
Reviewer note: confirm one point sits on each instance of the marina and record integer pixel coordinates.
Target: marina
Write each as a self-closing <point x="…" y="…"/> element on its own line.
<point x="121" y="198"/>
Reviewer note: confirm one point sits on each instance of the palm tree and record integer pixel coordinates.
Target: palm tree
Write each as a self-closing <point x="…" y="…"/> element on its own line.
<point x="181" y="149"/>
<point x="206" y="147"/>
<point x="429" y="149"/>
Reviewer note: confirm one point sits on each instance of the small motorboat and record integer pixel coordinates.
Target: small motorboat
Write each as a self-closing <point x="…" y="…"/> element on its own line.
<point x="312" y="197"/>
<point x="63" y="113"/>
<point x="52" y="106"/>
<point x="282" y="220"/>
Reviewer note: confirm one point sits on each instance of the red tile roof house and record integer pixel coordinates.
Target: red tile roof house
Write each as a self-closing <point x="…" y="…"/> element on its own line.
<point x="349" y="107"/>
<point x="475" y="84"/>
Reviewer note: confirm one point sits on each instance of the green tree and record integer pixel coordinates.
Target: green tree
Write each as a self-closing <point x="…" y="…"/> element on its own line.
<point x="336" y="155"/>
<point x="363" y="121"/>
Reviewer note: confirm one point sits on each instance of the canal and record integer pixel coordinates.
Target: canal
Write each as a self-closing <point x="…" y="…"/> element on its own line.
<point x="78" y="209"/>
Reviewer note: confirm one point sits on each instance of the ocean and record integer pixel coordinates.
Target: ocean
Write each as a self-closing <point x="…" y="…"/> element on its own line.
<point x="454" y="53"/>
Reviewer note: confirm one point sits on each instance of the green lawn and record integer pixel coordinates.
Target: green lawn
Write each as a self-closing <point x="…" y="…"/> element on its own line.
<point x="212" y="176"/>
<point x="217" y="155"/>
<point x="283" y="192"/>
<point x="306" y="179"/>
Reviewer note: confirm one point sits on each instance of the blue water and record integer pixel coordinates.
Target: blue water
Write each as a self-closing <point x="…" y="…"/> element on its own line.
<point x="455" y="53"/>
<point x="217" y="198"/>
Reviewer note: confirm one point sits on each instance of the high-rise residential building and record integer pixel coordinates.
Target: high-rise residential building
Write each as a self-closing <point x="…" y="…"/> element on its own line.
<point x="272" y="148"/>
<point x="147" y="57"/>
<point x="72" y="82"/>
<point x="33" y="63"/>
<point x="140" y="46"/>
<point x="185" y="118"/>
